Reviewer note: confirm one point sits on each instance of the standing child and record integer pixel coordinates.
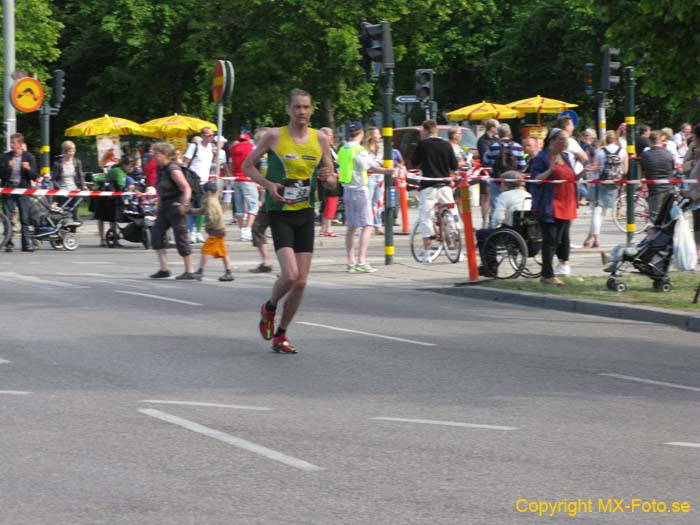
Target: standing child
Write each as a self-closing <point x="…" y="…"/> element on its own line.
<point x="214" y="226"/>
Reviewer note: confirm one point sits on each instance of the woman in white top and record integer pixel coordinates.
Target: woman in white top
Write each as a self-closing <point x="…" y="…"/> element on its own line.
<point x="68" y="172"/>
<point x="603" y="196"/>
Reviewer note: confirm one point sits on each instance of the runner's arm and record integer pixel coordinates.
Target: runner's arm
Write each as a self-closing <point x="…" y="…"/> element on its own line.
<point x="267" y="143"/>
<point x="324" y="174"/>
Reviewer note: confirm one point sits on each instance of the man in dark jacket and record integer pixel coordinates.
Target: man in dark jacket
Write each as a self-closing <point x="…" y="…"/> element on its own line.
<point x="657" y="163"/>
<point x="18" y="170"/>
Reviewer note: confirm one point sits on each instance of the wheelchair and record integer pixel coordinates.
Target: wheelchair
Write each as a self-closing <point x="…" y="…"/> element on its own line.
<point x="508" y="253"/>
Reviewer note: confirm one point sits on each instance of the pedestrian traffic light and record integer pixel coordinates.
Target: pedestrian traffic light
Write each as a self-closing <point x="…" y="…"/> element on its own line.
<point x="58" y="91"/>
<point x="424" y="84"/>
<point x="375" y="46"/>
<point x="610" y="68"/>
<point x="589" y="79"/>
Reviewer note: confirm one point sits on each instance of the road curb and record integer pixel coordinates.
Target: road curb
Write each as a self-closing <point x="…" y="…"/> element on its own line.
<point x="649" y="314"/>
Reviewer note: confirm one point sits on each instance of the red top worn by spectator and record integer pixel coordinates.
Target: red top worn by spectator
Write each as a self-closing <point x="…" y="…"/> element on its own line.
<point x="564" y="205"/>
<point x="149" y="170"/>
<point x="238" y="153"/>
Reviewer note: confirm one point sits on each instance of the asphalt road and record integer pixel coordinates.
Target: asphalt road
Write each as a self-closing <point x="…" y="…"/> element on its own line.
<point x="127" y="400"/>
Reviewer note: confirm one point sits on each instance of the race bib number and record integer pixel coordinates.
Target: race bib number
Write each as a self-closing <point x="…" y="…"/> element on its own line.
<point x="296" y="191"/>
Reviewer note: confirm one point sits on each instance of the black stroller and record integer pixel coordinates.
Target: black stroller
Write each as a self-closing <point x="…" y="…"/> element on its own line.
<point x="652" y="256"/>
<point x="53" y="223"/>
<point x="134" y="217"/>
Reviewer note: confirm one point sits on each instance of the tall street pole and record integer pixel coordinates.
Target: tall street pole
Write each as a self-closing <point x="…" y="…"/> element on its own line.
<point x="632" y="174"/>
<point x="8" y="57"/>
<point x="389" y="190"/>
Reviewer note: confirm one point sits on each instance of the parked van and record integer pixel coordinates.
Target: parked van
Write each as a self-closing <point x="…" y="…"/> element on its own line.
<point x="406" y="140"/>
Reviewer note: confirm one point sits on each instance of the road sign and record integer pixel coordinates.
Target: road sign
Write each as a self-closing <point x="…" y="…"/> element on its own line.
<point x="407" y="99"/>
<point x="27" y="95"/>
<point x="570" y="113"/>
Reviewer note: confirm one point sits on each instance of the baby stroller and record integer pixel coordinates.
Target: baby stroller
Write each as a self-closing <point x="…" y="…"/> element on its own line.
<point x="652" y="256"/>
<point x="53" y="223"/>
<point x="135" y="216"/>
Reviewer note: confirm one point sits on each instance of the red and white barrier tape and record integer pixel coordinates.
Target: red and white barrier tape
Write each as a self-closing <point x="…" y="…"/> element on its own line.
<point x="64" y="193"/>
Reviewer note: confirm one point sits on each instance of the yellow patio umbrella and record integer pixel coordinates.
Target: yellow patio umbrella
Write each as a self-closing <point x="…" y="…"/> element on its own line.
<point x="484" y="110"/>
<point x="105" y="126"/>
<point x="176" y="125"/>
<point x="539" y="105"/>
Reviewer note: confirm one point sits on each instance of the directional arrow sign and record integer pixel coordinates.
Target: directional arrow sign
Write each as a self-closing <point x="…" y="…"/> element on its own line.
<point x="407" y="99"/>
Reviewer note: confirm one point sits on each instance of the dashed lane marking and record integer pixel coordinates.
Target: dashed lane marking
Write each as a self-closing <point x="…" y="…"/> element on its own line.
<point x="4" y="361"/>
<point x="14" y="392"/>
<point x="201" y="404"/>
<point x="652" y="382"/>
<point x="232" y="440"/>
<point x="338" y="329"/>
<point x="683" y="444"/>
<point x="159" y="297"/>
<point x="444" y="423"/>
<point x="30" y="279"/>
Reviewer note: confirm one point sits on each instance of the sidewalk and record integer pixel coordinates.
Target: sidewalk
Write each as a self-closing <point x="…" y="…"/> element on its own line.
<point x="444" y="277"/>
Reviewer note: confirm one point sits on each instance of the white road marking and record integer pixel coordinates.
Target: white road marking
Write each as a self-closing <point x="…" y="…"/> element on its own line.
<point x="93" y="263"/>
<point x="4" y="361"/>
<point x="199" y="404"/>
<point x="30" y="279"/>
<point x="159" y="297"/>
<point x="683" y="444"/>
<point x="367" y="333"/>
<point x="444" y="423"/>
<point x="14" y="392"/>
<point x="652" y="382"/>
<point x="232" y="440"/>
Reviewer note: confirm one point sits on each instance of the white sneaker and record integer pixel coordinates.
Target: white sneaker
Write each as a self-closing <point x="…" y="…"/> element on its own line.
<point x="200" y="237"/>
<point x="246" y="234"/>
<point x="425" y="257"/>
<point x="462" y="257"/>
<point x="193" y="238"/>
<point x="562" y="270"/>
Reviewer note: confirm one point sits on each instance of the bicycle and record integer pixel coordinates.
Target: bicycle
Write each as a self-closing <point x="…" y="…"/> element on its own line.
<point x="5" y="230"/>
<point x="446" y="236"/>
<point x="641" y="209"/>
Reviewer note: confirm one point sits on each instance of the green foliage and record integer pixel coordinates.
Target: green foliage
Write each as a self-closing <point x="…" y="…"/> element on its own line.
<point x="147" y="58"/>
<point x="660" y="38"/>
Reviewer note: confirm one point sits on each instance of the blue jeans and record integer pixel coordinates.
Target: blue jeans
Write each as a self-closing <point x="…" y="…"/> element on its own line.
<point x="375" y="194"/>
<point x="20" y="202"/>
<point x="245" y="192"/>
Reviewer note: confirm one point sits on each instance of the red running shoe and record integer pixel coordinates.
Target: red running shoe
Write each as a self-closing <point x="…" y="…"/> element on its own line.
<point x="282" y="345"/>
<point x="267" y="322"/>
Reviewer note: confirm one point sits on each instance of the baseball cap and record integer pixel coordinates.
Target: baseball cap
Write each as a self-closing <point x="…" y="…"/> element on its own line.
<point x="354" y="126"/>
<point x="209" y="187"/>
<point x="243" y="136"/>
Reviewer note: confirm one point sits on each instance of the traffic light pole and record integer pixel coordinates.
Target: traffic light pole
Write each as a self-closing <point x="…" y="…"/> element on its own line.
<point x="389" y="190"/>
<point x="602" y="125"/>
<point x="632" y="174"/>
<point x="45" y="114"/>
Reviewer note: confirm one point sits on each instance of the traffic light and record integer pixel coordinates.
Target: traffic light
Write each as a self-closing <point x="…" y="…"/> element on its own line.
<point x="424" y="84"/>
<point x="375" y="46"/>
<point x="58" y="91"/>
<point x="609" y="75"/>
<point x="589" y="79"/>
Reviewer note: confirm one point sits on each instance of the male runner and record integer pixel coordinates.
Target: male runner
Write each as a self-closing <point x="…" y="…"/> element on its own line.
<point x="298" y="157"/>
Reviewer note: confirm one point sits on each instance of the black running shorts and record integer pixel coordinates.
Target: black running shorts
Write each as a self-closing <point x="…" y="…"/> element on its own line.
<point x="293" y="229"/>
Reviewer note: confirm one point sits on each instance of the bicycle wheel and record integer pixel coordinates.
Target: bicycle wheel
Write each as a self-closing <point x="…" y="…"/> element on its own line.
<point x="641" y="212"/>
<point x="505" y="254"/>
<point x="5" y="230"/>
<point x="417" y="246"/>
<point x="451" y="236"/>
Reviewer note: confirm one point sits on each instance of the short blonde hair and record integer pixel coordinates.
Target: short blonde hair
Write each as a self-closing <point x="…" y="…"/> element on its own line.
<point x="66" y="145"/>
<point x="165" y="148"/>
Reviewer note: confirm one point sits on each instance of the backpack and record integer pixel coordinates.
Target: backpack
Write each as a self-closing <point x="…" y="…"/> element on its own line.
<point x="613" y="165"/>
<point x="195" y="186"/>
<point x="506" y="160"/>
<point x="346" y="159"/>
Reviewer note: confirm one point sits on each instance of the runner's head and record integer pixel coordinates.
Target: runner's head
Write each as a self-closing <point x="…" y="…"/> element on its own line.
<point x="299" y="107"/>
